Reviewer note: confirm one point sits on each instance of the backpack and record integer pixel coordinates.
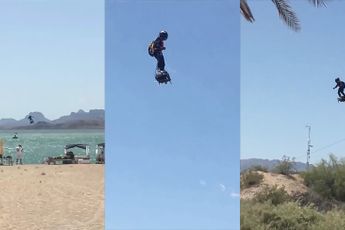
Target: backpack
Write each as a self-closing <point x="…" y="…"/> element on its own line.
<point x="151" y="49"/>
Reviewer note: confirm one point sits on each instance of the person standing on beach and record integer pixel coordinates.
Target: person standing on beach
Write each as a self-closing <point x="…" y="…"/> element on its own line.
<point x="19" y="154"/>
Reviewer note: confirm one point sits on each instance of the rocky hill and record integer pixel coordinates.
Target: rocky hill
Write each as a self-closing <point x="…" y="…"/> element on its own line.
<point x="94" y="119"/>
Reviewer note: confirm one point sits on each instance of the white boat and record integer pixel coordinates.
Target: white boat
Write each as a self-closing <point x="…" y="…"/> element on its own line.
<point x="69" y="157"/>
<point x="79" y="159"/>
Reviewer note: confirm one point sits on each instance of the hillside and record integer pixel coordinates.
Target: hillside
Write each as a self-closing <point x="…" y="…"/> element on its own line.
<point x="321" y="205"/>
<point x="293" y="184"/>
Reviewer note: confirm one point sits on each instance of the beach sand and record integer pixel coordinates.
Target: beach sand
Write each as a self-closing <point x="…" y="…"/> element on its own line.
<point x="56" y="197"/>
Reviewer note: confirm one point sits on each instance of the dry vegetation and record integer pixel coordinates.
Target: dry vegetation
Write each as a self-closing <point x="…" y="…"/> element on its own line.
<point x="308" y="201"/>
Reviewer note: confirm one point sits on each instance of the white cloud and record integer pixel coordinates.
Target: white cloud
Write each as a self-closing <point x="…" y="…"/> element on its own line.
<point x="222" y="187"/>
<point x="202" y="183"/>
<point x="234" y="194"/>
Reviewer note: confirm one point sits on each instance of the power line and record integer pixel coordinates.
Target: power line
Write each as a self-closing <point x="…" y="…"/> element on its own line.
<point x="329" y="145"/>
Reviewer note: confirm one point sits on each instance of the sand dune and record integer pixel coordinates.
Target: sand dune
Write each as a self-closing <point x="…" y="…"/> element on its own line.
<point x="52" y="197"/>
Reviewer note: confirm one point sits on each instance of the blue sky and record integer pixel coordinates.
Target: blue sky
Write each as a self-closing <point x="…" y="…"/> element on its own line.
<point x="52" y="55"/>
<point x="173" y="159"/>
<point x="287" y="80"/>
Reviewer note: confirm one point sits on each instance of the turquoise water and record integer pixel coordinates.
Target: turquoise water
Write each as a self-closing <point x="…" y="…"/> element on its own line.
<point x="39" y="144"/>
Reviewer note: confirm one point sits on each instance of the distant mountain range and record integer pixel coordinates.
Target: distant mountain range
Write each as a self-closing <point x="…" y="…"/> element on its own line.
<point x="94" y="119"/>
<point x="269" y="164"/>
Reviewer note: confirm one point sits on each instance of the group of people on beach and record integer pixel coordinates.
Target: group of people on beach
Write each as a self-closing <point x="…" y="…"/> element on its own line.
<point x="19" y="155"/>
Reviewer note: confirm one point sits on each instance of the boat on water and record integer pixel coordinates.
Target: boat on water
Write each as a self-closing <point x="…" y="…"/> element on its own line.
<point x="15" y="136"/>
<point x="69" y="157"/>
<point x="80" y="159"/>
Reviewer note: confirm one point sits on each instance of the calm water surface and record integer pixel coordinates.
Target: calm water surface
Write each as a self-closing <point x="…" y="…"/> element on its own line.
<point x="39" y="144"/>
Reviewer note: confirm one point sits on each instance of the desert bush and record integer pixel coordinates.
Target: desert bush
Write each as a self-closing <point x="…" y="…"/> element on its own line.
<point x="314" y="199"/>
<point x="327" y="178"/>
<point x="289" y="215"/>
<point x="273" y="195"/>
<point x="285" y="166"/>
<point x="332" y="220"/>
<point x="250" y="178"/>
<point x="259" y="168"/>
<point x="273" y="208"/>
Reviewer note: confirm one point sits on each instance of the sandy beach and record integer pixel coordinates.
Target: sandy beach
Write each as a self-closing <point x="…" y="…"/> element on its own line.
<point x="57" y="197"/>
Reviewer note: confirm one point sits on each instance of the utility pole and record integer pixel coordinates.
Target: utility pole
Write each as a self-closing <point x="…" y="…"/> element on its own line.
<point x="309" y="145"/>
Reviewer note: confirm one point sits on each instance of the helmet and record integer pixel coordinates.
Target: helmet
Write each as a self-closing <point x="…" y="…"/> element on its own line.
<point x="337" y="79"/>
<point x="163" y="34"/>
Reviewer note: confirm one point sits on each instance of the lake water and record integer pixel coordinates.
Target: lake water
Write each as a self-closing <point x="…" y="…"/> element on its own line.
<point x="39" y="144"/>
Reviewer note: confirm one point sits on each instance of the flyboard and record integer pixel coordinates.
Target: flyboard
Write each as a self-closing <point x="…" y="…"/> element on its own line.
<point x="162" y="76"/>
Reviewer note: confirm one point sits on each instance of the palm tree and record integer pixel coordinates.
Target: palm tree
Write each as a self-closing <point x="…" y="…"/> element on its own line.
<point x="284" y="11"/>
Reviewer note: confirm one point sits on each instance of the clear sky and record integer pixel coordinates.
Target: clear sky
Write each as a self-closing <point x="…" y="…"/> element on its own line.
<point x="287" y="80"/>
<point x="52" y="57"/>
<point x="173" y="150"/>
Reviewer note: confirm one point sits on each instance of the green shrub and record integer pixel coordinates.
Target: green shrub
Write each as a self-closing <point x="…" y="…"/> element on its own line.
<point x="273" y="195"/>
<point x="285" y="166"/>
<point x="332" y="220"/>
<point x="327" y="179"/>
<point x="259" y="168"/>
<point x="314" y="199"/>
<point x="289" y="215"/>
<point x="250" y="178"/>
<point x="274" y="209"/>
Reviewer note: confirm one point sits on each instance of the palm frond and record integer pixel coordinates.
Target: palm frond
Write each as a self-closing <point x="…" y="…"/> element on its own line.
<point x="318" y="3"/>
<point x="245" y="10"/>
<point x="287" y="14"/>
